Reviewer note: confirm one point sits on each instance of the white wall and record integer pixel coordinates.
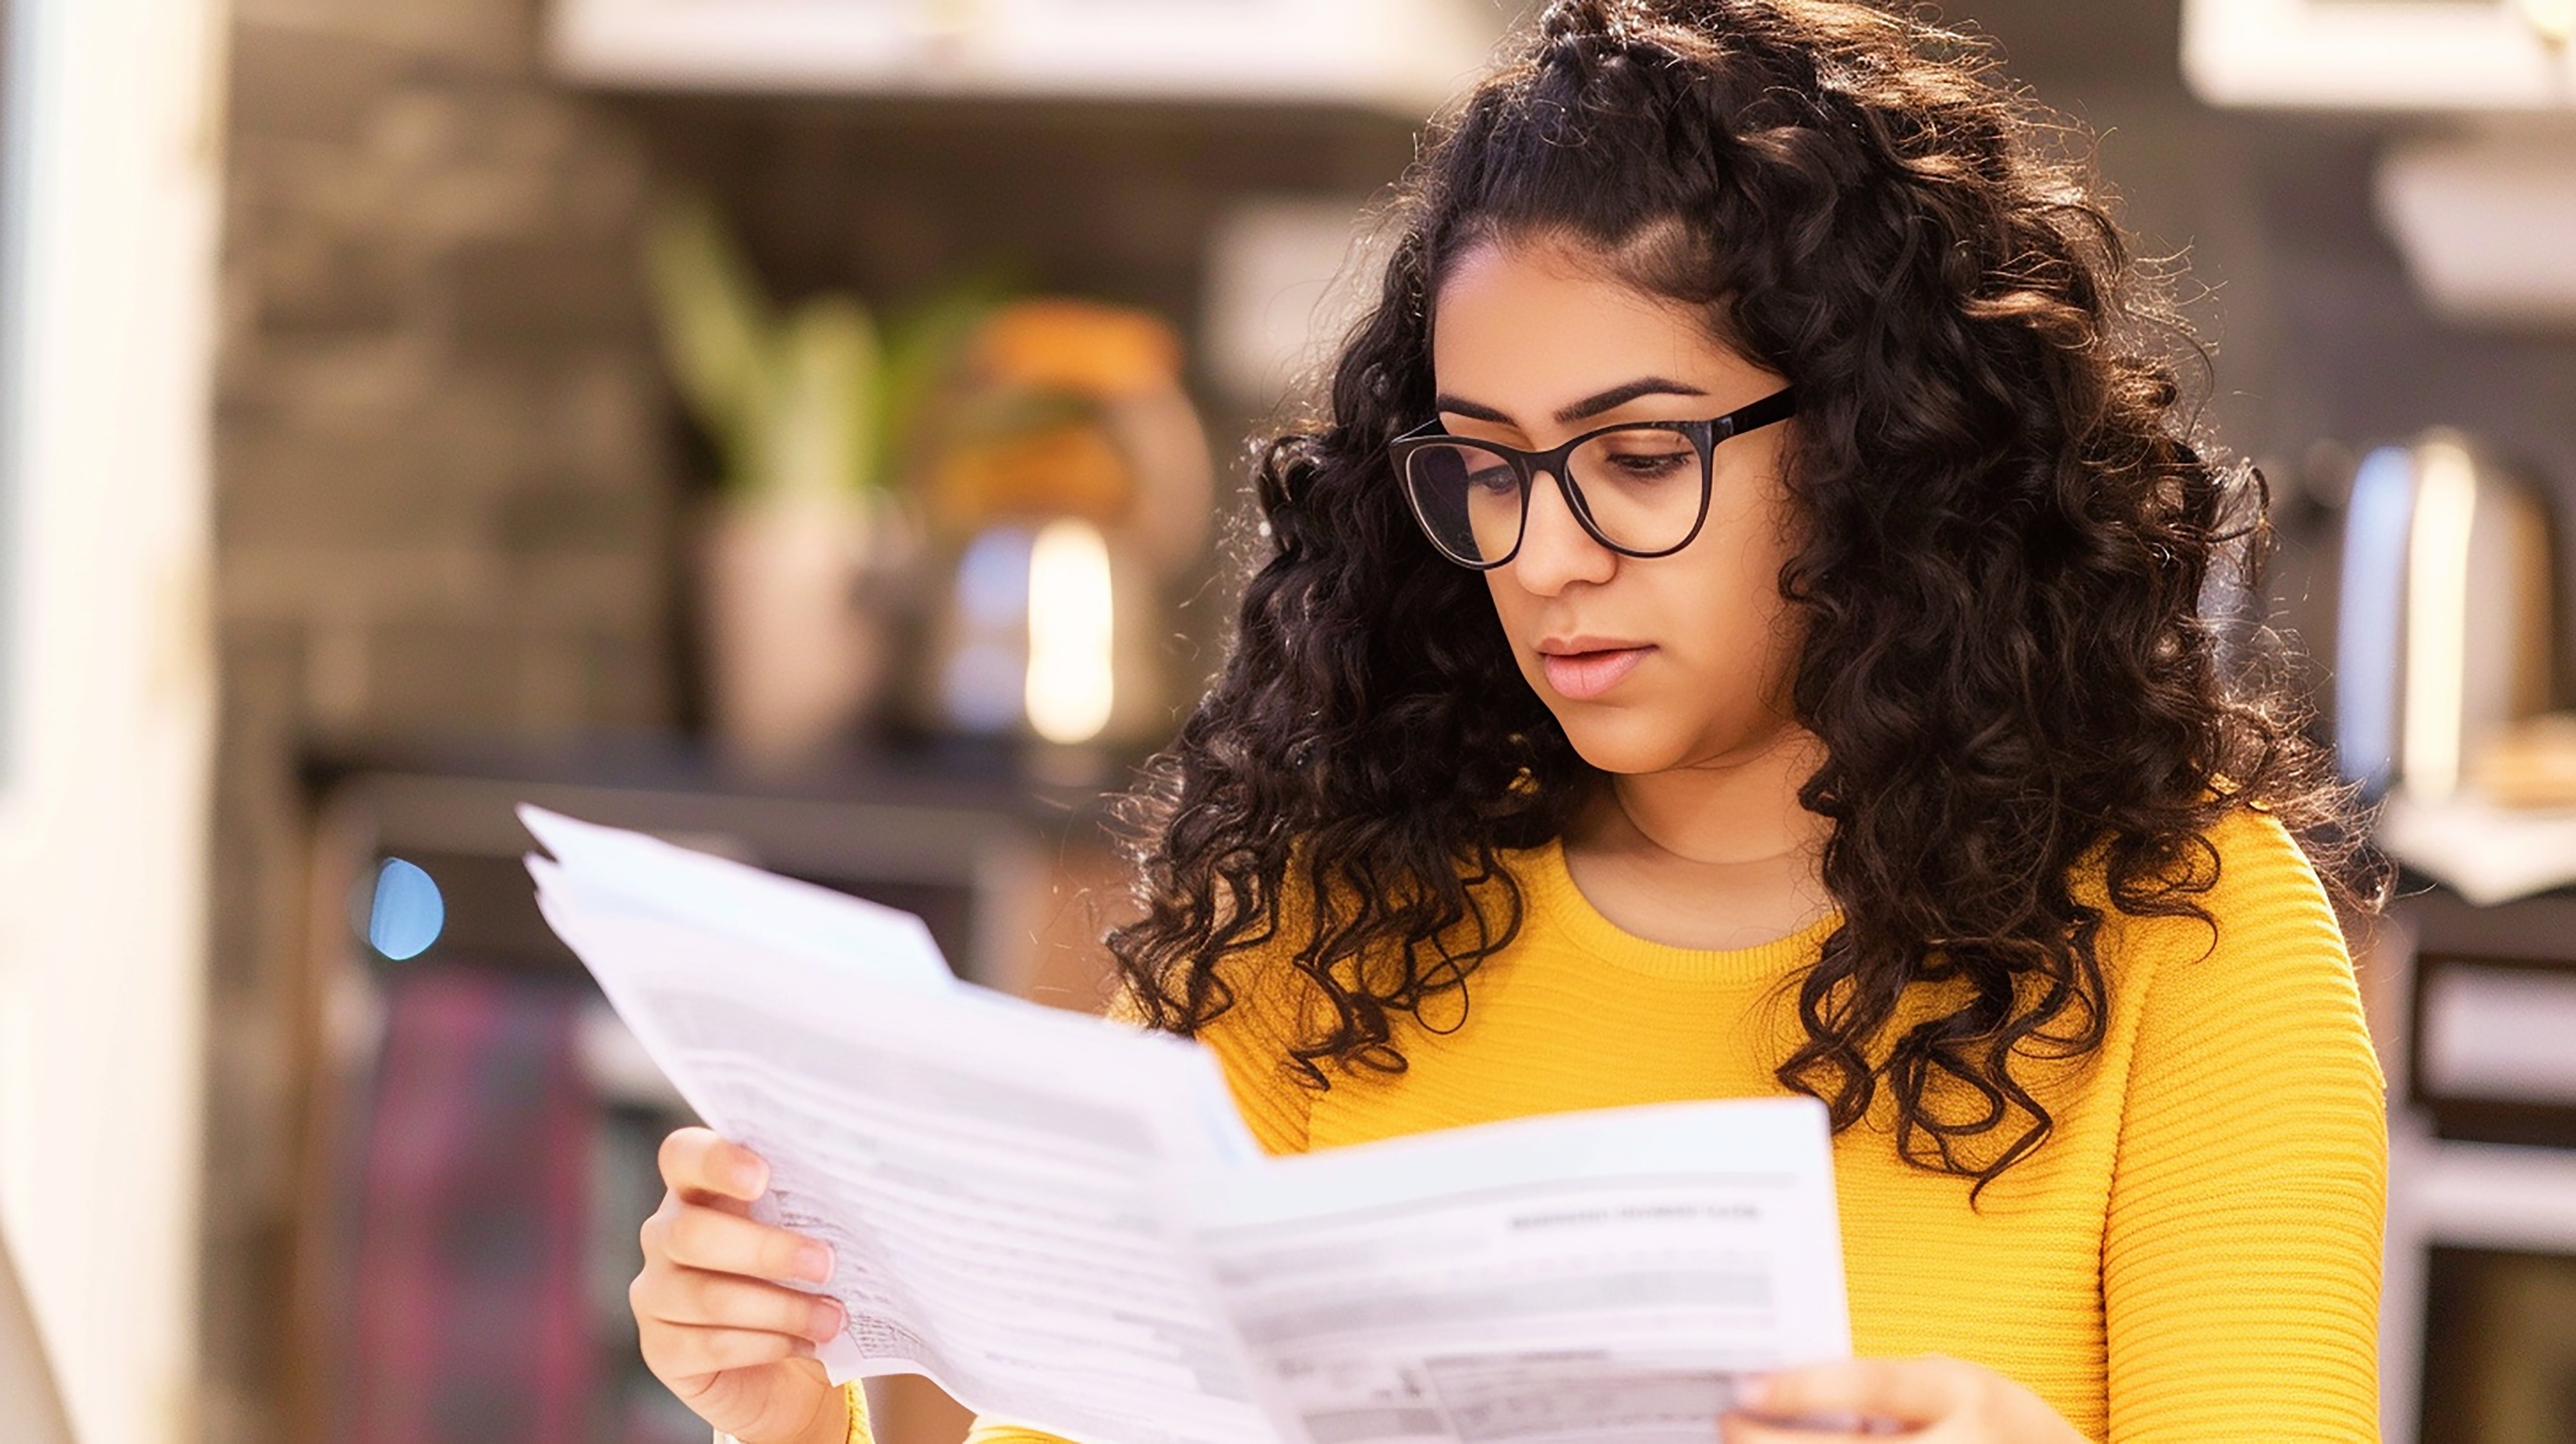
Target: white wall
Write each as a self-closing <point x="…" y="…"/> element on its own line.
<point x="106" y="689"/>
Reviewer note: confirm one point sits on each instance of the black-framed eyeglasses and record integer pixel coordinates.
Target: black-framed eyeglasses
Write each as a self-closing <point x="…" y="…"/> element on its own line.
<point x="1639" y="488"/>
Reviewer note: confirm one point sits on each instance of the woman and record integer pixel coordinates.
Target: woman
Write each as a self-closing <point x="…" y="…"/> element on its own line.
<point x="1738" y="631"/>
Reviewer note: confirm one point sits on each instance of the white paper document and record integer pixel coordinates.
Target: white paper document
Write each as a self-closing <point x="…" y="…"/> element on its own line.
<point x="1065" y="1223"/>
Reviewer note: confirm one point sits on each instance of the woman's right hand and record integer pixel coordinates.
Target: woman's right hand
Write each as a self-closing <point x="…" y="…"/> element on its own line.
<point x="717" y="1326"/>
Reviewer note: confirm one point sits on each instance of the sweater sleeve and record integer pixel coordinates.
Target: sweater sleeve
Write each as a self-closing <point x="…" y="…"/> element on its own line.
<point x="2241" y="1253"/>
<point x="1251" y="1042"/>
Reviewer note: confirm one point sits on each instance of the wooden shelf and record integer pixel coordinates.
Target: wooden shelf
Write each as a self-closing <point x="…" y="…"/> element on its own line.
<point x="2387" y="55"/>
<point x="1402" y="55"/>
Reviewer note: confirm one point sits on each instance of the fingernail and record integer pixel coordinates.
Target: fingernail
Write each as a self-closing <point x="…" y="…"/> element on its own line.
<point x="827" y="1321"/>
<point x="751" y="1175"/>
<point x="814" y="1263"/>
<point x="1752" y="1390"/>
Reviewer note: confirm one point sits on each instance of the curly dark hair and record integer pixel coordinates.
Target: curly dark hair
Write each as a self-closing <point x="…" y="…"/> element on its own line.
<point x="2007" y="535"/>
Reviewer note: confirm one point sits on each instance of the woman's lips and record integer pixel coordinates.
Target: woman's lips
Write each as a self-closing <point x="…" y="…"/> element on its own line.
<point x="1582" y="676"/>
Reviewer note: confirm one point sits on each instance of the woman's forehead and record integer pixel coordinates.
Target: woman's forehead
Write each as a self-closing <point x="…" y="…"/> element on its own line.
<point x="1531" y="328"/>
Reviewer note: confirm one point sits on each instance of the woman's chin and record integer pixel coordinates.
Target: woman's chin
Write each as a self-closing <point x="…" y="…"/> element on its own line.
<point x="1625" y="751"/>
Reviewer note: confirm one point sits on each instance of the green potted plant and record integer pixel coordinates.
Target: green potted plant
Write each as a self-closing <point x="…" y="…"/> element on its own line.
<point x="793" y="551"/>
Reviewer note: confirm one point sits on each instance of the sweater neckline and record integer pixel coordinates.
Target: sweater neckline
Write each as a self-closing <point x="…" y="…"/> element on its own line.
<point x="1557" y="903"/>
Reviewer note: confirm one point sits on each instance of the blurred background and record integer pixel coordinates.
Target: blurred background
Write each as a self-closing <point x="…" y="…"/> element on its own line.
<point x="810" y="429"/>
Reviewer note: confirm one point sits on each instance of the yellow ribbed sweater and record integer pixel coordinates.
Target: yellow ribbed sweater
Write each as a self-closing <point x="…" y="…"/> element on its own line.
<point x="2194" y="1253"/>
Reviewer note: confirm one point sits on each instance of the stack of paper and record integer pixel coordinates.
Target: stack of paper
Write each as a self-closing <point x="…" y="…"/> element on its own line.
<point x="1065" y="1223"/>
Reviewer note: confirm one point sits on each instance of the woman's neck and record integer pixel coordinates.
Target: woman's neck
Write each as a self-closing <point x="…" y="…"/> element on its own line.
<point x="1717" y="854"/>
<point x="1729" y="810"/>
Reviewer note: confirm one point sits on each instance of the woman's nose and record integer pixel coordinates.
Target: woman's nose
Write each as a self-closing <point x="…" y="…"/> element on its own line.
<point x="1555" y="549"/>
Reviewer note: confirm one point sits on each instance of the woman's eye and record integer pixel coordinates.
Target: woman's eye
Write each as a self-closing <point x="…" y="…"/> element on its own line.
<point x="1649" y="465"/>
<point x="1496" y="478"/>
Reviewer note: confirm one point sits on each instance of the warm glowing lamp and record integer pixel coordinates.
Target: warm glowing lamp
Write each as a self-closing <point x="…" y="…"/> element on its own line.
<point x="1070" y="687"/>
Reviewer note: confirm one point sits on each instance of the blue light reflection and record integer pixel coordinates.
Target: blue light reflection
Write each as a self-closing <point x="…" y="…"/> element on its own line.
<point x="407" y="914"/>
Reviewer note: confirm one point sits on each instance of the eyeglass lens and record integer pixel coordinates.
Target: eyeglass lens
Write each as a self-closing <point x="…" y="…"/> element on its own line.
<point x="1640" y="486"/>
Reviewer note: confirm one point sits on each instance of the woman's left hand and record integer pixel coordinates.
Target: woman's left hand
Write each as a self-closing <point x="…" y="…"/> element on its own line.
<point x="1932" y="1400"/>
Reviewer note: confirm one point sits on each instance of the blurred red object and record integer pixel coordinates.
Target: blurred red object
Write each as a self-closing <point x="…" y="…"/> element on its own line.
<point x="471" y="1317"/>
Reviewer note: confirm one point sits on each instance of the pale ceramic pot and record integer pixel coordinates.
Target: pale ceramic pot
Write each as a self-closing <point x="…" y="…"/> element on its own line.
<point x="793" y="607"/>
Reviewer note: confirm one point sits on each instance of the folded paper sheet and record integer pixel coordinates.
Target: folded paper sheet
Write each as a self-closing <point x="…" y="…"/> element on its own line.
<point x="1064" y="1222"/>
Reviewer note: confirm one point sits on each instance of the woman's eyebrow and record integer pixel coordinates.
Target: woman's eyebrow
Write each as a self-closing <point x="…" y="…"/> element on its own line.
<point x="1590" y="406"/>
